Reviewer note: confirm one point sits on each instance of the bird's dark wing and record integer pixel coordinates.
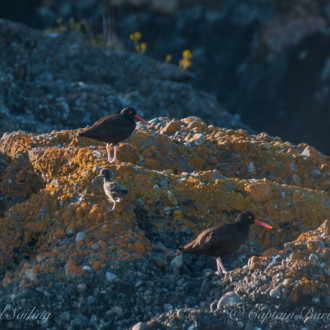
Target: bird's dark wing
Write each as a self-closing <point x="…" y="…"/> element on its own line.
<point x="211" y="240"/>
<point x="112" y="129"/>
<point x="117" y="190"/>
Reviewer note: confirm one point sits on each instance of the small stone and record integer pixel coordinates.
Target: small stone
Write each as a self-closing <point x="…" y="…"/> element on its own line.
<point x="81" y="287"/>
<point x="64" y="317"/>
<point x="93" y="319"/>
<point x="313" y="258"/>
<point x="88" y="268"/>
<point x="260" y="191"/>
<point x="316" y="300"/>
<point x="198" y="139"/>
<point x="81" y="322"/>
<point x="80" y="236"/>
<point x="190" y="301"/>
<point x="110" y="276"/>
<point x="296" y="179"/>
<point x="180" y="314"/>
<point x="69" y="232"/>
<point x="176" y="263"/>
<point x="249" y="325"/>
<point x="309" y="151"/>
<point x="30" y="274"/>
<point x="168" y="307"/>
<point x="117" y="310"/>
<point x="274" y="293"/>
<point x="171" y="127"/>
<point x="160" y="262"/>
<point x="229" y="298"/>
<point x="140" y="326"/>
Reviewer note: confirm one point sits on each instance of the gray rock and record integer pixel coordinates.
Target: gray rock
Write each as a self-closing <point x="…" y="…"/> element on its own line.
<point x="230" y="298"/>
<point x="176" y="263"/>
<point x="80" y="236"/>
<point x="110" y="276"/>
<point x="313" y="258"/>
<point x="140" y="326"/>
<point x="167" y="307"/>
<point x="80" y="321"/>
<point x="274" y="293"/>
<point x="81" y="287"/>
<point x="116" y="310"/>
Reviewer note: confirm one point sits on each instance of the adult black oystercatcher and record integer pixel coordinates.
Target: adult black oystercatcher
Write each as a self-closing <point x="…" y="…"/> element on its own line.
<point x="113" y="190"/>
<point x="113" y="129"/>
<point x="222" y="240"/>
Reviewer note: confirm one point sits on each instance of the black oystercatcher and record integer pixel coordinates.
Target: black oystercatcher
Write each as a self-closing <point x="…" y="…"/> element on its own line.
<point x="113" y="129"/>
<point x="113" y="190"/>
<point x="222" y="240"/>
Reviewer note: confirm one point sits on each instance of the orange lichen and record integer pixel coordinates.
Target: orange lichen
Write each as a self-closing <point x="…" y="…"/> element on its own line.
<point x="176" y="183"/>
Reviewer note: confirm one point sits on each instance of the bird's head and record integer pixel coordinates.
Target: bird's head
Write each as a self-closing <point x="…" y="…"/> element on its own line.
<point x="249" y="219"/>
<point x="104" y="173"/>
<point x="131" y="114"/>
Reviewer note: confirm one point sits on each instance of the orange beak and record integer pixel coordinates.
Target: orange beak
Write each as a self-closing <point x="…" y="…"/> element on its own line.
<point x="260" y="223"/>
<point x="141" y="119"/>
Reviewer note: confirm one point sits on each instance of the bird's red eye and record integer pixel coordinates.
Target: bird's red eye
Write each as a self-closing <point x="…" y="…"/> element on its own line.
<point x="250" y="217"/>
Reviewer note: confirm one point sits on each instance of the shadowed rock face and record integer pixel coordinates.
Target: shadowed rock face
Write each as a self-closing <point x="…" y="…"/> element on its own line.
<point x="182" y="176"/>
<point x="264" y="60"/>
<point x="51" y="81"/>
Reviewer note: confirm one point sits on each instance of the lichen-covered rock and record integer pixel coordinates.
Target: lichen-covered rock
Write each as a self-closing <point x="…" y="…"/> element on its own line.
<point x="58" y="227"/>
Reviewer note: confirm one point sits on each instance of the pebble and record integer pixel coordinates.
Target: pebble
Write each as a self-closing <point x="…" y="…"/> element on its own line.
<point x="316" y="300"/>
<point x="160" y="260"/>
<point x="274" y="293"/>
<point x="116" y="310"/>
<point x="68" y="232"/>
<point x="229" y="298"/>
<point x="140" y="326"/>
<point x="30" y="274"/>
<point x="81" y="322"/>
<point x="110" y="276"/>
<point x="296" y="179"/>
<point x="64" y="317"/>
<point x="81" y="287"/>
<point x="80" y="236"/>
<point x="198" y="139"/>
<point x="313" y="258"/>
<point x="176" y="263"/>
<point x="168" y="307"/>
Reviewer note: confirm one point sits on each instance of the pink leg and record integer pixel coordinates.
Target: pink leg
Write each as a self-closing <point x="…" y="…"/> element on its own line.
<point x="114" y="159"/>
<point x="220" y="266"/>
<point x="107" y="146"/>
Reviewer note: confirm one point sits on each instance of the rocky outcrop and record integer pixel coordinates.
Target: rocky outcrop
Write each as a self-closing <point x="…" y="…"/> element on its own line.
<point x="64" y="252"/>
<point x="54" y="81"/>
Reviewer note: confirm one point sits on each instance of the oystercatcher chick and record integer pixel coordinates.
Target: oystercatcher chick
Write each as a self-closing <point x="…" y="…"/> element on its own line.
<point x="222" y="240"/>
<point x="113" y="190"/>
<point x="113" y="129"/>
